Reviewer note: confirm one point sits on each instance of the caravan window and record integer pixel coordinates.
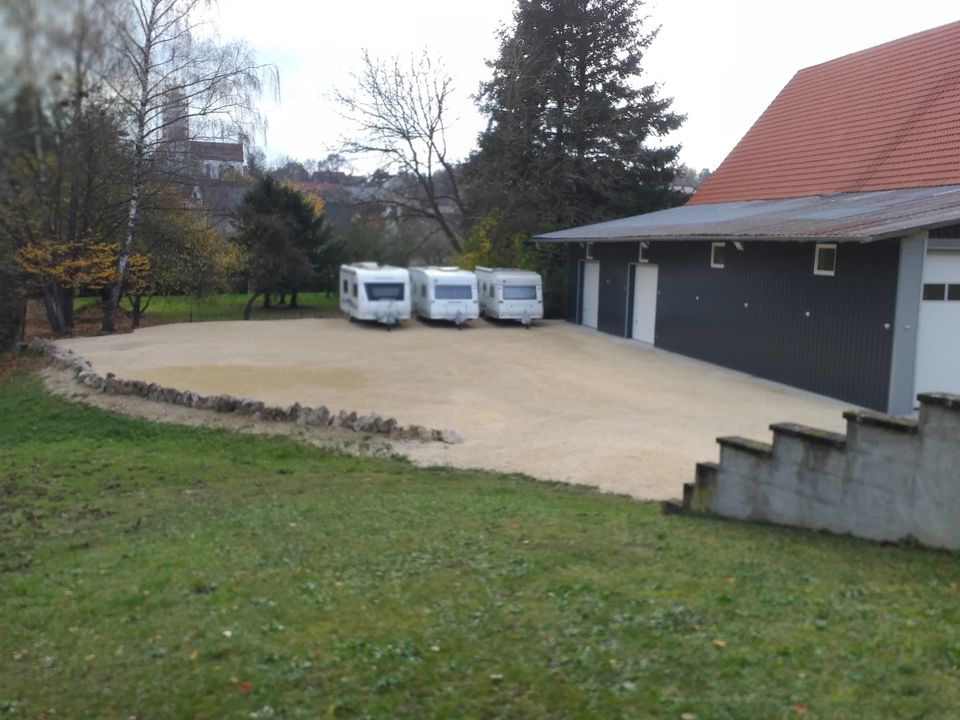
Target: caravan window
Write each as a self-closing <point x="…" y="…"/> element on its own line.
<point x="423" y="291"/>
<point x="492" y="291"/>
<point x="384" y="291"/>
<point x="354" y="289"/>
<point x="346" y="286"/>
<point x="519" y="292"/>
<point x="453" y="292"/>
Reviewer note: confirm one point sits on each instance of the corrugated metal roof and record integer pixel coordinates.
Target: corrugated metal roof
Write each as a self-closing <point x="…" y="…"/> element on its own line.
<point x="882" y="118"/>
<point x="843" y="216"/>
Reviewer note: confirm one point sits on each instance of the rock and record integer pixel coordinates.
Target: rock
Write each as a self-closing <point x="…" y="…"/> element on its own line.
<point x="248" y="406"/>
<point x="451" y="437"/>
<point x="270" y="413"/>
<point x="386" y="426"/>
<point x="169" y="395"/>
<point x="111" y="385"/>
<point x="292" y="412"/>
<point x="225" y="403"/>
<point x="366" y="423"/>
<point x="317" y="417"/>
<point x="189" y="399"/>
<point x="421" y="433"/>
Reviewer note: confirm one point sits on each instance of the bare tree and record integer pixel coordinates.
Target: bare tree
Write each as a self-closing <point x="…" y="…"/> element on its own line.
<point x="165" y="76"/>
<point x="401" y="113"/>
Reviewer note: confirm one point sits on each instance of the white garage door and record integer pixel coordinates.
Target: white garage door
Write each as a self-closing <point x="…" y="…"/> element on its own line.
<point x="590" y="297"/>
<point x="644" y="302"/>
<point x="938" y="340"/>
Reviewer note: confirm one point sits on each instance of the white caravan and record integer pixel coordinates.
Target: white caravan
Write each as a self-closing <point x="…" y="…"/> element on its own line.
<point x="510" y="294"/>
<point x="444" y="293"/>
<point x="375" y="292"/>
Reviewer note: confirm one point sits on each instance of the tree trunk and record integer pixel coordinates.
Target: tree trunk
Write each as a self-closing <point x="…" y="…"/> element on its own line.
<point x="68" y="295"/>
<point x="266" y="302"/>
<point x="137" y="174"/>
<point x="249" y="307"/>
<point x="13" y="311"/>
<point x="137" y="310"/>
<point x="293" y="299"/>
<point x="53" y="304"/>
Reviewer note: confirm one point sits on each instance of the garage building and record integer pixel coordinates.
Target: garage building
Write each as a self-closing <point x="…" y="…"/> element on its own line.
<point x="823" y="253"/>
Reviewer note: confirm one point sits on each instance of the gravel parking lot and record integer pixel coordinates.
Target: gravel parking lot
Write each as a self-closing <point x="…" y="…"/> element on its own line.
<point x="557" y="402"/>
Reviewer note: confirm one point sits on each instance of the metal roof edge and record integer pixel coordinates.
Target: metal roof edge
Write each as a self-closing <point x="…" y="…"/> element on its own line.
<point x="725" y="238"/>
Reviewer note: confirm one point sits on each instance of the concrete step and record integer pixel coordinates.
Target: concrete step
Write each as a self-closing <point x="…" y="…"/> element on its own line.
<point x="746" y="445"/>
<point x="810" y="434"/>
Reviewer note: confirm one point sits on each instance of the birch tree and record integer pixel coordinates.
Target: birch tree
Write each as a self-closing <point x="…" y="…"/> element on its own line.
<point x="166" y="73"/>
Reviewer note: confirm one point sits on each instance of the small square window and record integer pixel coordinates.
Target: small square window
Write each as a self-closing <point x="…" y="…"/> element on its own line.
<point x="934" y="291"/>
<point x="953" y="292"/>
<point x="825" y="260"/>
<point x="717" y="253"/>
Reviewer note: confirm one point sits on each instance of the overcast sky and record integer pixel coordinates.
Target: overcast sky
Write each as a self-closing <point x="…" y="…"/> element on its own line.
<point x="721" y="61"/>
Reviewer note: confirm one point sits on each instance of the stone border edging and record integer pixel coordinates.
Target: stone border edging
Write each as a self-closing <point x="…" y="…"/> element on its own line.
<point x="321" y="416"/>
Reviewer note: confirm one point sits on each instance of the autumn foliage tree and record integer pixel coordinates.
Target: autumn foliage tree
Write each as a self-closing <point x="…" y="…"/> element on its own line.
<point x="186" y="256"/>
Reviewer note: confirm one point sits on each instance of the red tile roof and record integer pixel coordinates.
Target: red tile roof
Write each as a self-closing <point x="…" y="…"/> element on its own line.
<point x="219" y="151"/>
<point x="879" y="119"/>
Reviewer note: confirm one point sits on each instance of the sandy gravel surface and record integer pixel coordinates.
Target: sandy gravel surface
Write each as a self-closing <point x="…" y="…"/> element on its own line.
<point x="558" y="402"/>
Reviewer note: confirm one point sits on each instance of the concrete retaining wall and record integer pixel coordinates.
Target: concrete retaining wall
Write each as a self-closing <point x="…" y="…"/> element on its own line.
<point x="888" y="478"/>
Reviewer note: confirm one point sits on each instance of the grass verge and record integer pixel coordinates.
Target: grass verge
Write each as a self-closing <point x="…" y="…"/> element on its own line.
<point x="185" y="308"/>
<point x="161" y="571"/>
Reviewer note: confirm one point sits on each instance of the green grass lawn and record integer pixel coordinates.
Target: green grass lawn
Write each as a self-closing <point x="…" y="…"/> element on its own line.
<point x="169" y="572"/>
<point x="186" y="308"/>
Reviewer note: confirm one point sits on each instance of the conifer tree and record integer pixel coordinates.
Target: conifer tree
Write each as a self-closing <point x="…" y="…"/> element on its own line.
<point x="572" y="120"/>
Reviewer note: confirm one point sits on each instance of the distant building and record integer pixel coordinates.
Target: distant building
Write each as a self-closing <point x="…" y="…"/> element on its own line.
<point x="211" y="172"/>
<point x="216" y="159"/>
